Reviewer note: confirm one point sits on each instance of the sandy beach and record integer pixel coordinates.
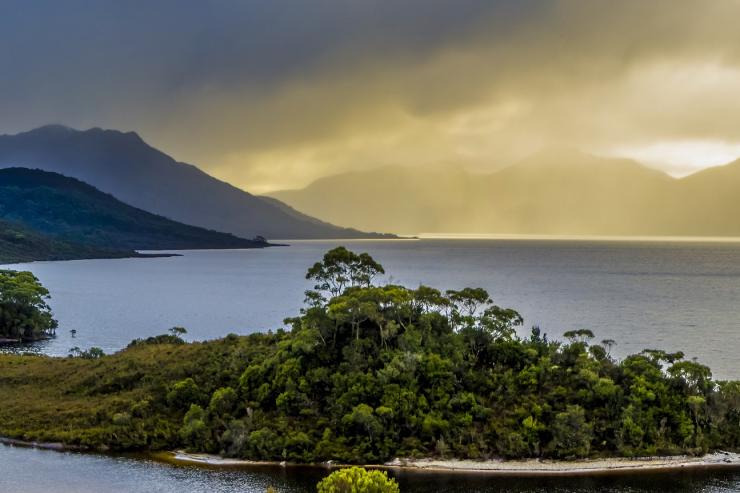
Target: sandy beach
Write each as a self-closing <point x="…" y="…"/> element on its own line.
<point x="530" y="467"/>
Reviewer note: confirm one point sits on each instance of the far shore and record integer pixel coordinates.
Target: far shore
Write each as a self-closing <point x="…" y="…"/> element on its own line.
<point x="521" y="468"/>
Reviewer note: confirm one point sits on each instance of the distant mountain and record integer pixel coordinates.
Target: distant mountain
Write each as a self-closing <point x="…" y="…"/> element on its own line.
<point x="552" y="192"/>
<point x="123" y="165"/>
<point x="20" y="244"/>
<point x="403" y="200"/>
<point x="67" y="210"/>
<point x="710" y="200"/>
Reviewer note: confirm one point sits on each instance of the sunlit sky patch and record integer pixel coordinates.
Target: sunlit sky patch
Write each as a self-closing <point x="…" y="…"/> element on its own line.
<point x="681" y="158"/>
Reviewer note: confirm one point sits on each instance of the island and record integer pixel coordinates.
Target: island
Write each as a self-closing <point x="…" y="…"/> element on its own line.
<point x="372" y="373"/>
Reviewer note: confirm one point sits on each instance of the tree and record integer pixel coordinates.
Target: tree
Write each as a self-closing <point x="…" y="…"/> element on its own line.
<point x="341" y="269"/>
<point x="24" y="313"/>
<point x="184" y="393"/>
<point x="194" y="431"/>
<point x="608" y="345"/>
<point x="571" y="433"/>
<point x="178" y="331"/>
<point x="579" y="336"/>
<point x="92" y="353"/>
<point x="223" y="401"/>
<point x="357" y="480"/>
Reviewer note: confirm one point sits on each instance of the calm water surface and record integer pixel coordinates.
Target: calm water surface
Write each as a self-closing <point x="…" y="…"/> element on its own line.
<point x="39" y="471"/>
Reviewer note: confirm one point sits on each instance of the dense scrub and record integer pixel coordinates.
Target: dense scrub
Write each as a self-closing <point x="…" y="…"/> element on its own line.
<point x="124" y="401"/>
<point x="21" y="244"/>
<point x="370" y="372"/>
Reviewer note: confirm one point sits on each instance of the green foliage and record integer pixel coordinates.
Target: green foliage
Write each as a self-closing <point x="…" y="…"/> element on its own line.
<point x="92" y="353"/>
<point x="194" y="431"/>
<point x="178" y="331"/>
<point x="571" y="433"/>
<point x="19" y="243"/>
<point x="341" y="269"/>
<point x="357" y="480"/>
<point x="371" y="372"/>
<point x="223" y="401"/>
<point x="184" y="393"/>
<point x="24" y="313"/>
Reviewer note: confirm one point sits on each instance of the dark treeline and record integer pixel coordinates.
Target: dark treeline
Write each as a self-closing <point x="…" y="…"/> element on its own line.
<point x="369" y="372"/>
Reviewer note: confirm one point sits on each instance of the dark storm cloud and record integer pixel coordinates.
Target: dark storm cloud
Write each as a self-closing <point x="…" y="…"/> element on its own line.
<point x="173" y="45"/>
<point x="274" y="93"/>
<point x="134" y="63"/>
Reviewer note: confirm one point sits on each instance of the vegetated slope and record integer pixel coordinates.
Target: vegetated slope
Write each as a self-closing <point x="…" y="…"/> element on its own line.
<point x="552" y="192"/>
<point x="371" y="372"/>
<point x="20" y="244"/>
<point x="71" y="211"/>
<point x="123" y="165"/>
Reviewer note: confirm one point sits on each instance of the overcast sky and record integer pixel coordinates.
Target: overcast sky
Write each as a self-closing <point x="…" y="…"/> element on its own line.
<point x="272" y="94"/>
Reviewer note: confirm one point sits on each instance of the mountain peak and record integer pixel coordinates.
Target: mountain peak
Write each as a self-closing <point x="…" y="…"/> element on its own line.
<point x="125" y="166"/>
<point x="60" y="131"/>
<point x="574" y="161"/>
<point x="558" y="157"/>
<point x="129" y="136"/>
<point x="50" y="129"/>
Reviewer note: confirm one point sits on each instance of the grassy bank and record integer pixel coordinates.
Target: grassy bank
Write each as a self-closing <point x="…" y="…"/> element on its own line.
<point x="117" y="401"/>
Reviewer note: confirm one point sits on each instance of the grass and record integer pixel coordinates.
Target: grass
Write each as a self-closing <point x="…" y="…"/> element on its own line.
<point x="116" y="401"/>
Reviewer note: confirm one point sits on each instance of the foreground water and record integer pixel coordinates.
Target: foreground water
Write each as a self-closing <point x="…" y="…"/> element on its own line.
<point x="644" y="295"/>
<point x="40" y="471"/>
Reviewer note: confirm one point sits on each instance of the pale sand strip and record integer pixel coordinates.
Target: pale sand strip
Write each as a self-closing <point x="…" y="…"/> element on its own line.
<point x="530" y="467"/>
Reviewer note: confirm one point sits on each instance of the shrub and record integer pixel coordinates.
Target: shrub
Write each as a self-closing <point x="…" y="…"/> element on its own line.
<point x="357" y="480"/>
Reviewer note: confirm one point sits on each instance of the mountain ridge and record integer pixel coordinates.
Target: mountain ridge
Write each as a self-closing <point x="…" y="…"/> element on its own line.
<point x="557" y="193"/>
<point x="125" y="166"/>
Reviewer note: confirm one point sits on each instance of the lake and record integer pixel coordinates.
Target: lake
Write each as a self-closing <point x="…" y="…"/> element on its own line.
<point x="642" y="294"/>
<point x="42" y="471"/>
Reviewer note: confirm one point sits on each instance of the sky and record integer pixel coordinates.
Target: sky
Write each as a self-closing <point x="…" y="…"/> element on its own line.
<point x="273" y="94"/>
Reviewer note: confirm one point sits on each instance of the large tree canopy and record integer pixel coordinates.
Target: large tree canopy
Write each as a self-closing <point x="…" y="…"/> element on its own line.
<point x="24" y="313"/>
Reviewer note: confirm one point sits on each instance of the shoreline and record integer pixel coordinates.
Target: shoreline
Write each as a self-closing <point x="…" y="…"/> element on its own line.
<point x="500" y="467"/>
<point x="55" y="446"/>
<point x="513" y="468"/>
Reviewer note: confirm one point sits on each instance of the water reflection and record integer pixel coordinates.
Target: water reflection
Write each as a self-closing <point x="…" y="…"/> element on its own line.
<point x="40" y="471"/>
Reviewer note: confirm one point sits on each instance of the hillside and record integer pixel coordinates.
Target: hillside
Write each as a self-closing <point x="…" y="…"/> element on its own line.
<point x="123" y="165"/>
<point x="710" y="199"/>
<point x="20" y="244"/>
<point x="561" y="192"/>
<point x="552" y="192"/>
<point x="70" y="211"/>
<point x="393" y="198"/>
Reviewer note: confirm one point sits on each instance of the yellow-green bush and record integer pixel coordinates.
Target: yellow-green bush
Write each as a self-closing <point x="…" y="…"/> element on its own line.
<point x="357" y="480"/>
